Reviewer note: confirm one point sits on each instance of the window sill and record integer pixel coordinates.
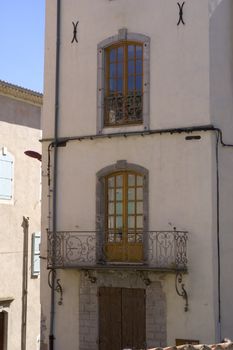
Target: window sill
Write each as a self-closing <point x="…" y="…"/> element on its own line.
<point x="122" y="129"/>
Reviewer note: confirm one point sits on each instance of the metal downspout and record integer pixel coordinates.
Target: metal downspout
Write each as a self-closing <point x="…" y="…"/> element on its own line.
<point x="54" y="206"/>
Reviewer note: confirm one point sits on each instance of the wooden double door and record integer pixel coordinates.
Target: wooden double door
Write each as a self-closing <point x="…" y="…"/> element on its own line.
<point x="122" y="321"/>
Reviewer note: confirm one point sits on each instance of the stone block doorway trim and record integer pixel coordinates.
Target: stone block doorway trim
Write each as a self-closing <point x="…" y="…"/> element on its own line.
<point x="155" y="307"/>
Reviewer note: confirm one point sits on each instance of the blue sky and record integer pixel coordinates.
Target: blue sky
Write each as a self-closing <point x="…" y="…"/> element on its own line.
<point x="22" y="42"/>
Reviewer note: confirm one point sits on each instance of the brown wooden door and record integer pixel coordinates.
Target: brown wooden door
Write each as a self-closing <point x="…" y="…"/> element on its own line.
<point x="2" y="328"/>
<point x="121" y="318"/>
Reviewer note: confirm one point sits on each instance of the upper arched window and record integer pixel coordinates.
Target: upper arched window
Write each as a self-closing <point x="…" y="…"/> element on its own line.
<point x="123" y="81"/>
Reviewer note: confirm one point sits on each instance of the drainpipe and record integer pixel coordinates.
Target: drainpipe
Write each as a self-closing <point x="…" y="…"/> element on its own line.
<point x="25" y="225"/>
<point x="54" y="208"/>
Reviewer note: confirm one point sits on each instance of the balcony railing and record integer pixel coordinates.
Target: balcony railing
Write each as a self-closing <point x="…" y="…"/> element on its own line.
<point x="165" y="250"/>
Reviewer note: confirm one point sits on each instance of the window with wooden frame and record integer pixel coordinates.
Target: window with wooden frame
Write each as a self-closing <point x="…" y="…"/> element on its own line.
<point x="124" y="216"/>
<point x="123" y="80"/>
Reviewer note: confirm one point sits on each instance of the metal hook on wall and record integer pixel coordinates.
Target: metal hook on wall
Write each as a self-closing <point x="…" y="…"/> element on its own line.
<point x="57" y="287"/>
<point x="181" y="13"/>
<point x="180" y="290"/>
<point x="75" y="31"/>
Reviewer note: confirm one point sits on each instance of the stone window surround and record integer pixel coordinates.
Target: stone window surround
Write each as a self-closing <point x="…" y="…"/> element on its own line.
<point x="122" y="35"/>
<point x="100" y="201"/>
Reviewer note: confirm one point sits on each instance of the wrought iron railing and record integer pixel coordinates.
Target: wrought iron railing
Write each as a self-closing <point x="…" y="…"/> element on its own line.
<point x="162" y="250"/>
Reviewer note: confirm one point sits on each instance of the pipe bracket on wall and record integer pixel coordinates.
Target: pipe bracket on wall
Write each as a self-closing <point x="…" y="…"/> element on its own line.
<point x="181" y="13"/>
<point x="180" y="290"/>
<point x="75" y="32"/>
<point x="90" y="276"/>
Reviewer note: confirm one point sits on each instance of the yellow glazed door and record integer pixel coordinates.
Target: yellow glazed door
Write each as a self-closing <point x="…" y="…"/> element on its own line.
<point x="124" y="217"/>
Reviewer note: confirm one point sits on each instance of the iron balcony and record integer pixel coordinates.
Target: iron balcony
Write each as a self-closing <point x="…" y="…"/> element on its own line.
<point x="163" y="250"/>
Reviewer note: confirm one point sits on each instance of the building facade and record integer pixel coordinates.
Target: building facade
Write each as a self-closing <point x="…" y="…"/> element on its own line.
<point x="20" y="208"/>
<point x="137" y="157"/>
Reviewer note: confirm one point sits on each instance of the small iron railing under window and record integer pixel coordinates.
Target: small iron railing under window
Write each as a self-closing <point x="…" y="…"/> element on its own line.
<point x="120" y="110"/>
<point x="162" y="249"/>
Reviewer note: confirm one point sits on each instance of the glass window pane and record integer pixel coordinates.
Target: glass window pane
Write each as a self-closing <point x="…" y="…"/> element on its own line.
<point x="119" y="180"/>
<point x="131" y="194"/>
<point x="139" y="83"/>
<point x="119" y="209"/>
<point x="131" y="180"/>
<point x="139" y="221"/>
<point x="131" y="68"/>
<point x="138" y="67"/>
<point x="131" y="208"/>
<point x="112" y="55"/>
<point x="139" y="180"/>
<point x="119" y="194"/>
<point x="111" y="195"/>
<point x="131" y="238"/>
<point x="131" y="83"/>
<point x="111" y="208"/>
<point x="112" y="70"/>
<point x="119" y="222"/>
<point x="111" y="237"/>
<point x="120" y="54"/>
<point x="120" y="70"/>
<point x="111" y="182"/>
<point x="118" y="237"/>
<point x="139" y="207"/>
<point x="112" y="85"/>
<point x="139" y="194"/>
<point x="139" y="238"/>
<point x="131" y="222"/>
<point x="139" y="51"/>
<point x="131" y="51"/>
<point x="120" y="85"/>
<point x="111" y="222"/>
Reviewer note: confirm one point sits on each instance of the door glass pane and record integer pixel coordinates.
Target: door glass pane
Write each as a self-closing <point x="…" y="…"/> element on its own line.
<point x="138" y="82"/>
<point x="119" y="194"/>
<point x="130" y="51"/>
<point x="118" y="237"/>
<point x="139" y="194"/>
<point x="111" y="237"/>
<point x="112" y="85"/>
<point x="138" y="51"/>
<point x="139" y="221"/>
<point x="131" y="83"/>
<point x="119" y="222"/>
<point x="113" y="55"/>
<point x="131" y="208"/>
<point x="131" y="221"/>
<point x="139" y="207"/>
<point x="131" y="180"/>
<point x="131" y="67"/>
<point x="119" y="181"/>
<point x="119" y="85"/>
<point x="111" y="208"/>
<point x="139" y="67"/>
<point x="119" y="209"/>
<point x="120" y="70"/>
<point x="139" y="237"/>
<point x="111" y="195"/>
<point x="120" y="54"/>
<point x="111" y="182"/>
<point x="139" y="180"/>
<point x="111" y="222"/>
<point x="112" y="70"/>
<point x="131" y="237"/>
<point x="131" y="194"/>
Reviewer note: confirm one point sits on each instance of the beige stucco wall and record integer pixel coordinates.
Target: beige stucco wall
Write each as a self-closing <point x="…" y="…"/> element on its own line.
<point x="18" y="137"/>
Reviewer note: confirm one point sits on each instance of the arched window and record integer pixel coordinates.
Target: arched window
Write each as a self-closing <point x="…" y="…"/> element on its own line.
<point x="122" y="211"/>
<point x="123" y="81"/>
